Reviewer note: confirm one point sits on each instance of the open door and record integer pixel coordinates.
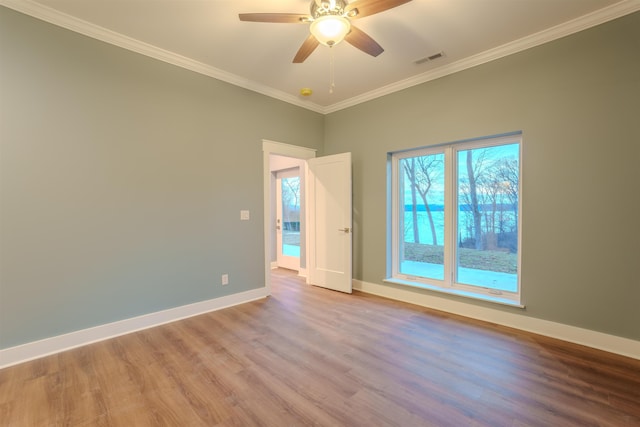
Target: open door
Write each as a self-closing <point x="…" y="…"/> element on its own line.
<point x="330" y="228"/>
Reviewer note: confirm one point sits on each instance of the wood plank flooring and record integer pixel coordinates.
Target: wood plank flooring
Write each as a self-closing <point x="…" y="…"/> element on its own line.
<point x="311" y="357"/>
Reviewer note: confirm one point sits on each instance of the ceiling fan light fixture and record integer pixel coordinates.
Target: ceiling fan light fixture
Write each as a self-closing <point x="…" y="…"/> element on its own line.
<point x="330" y="29"/>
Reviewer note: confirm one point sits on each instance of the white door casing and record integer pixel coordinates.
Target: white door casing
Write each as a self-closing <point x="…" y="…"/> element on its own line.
<point x="330" y="222"/>
<point x="277" y="148"/>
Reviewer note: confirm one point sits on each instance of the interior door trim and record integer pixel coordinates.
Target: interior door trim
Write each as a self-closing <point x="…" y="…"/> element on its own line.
<point x="268" y="148"/>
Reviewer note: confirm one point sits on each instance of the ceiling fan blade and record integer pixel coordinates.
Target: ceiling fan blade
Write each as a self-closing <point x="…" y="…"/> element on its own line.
<point x="279" y="18"/>
<point x="362" y="8"/>
<point x="363" y="41"/>
<point x="309" y="45"/>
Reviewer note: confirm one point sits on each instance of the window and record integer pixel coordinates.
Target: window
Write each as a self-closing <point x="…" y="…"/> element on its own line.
<point x="290" y="188"/>
<point x="455" y="218"/>
<point x="287" y="219"/>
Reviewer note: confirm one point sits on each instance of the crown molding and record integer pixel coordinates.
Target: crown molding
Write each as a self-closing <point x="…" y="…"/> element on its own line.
<point x="622" y="8"/>
<point x="52" y="16"/>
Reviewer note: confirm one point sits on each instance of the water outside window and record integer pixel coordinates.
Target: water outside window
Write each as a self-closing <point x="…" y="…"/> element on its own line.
<point x="291" y="216"/>
<point x="485" y="247"/>
<point x="423" y="220"/>
<point x="487" y="217"/>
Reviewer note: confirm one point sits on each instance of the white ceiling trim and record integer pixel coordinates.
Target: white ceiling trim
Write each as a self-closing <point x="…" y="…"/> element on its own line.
<point x="72" y="23"/>
<point x="77" y="25"/>
<point x="601" y="16"/>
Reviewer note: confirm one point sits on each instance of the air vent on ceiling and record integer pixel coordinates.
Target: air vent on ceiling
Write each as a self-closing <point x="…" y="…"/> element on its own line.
<point x="429" y="58"/>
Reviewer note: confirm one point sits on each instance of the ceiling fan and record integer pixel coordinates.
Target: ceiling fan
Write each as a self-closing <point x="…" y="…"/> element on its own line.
<point x="330" y="23"/>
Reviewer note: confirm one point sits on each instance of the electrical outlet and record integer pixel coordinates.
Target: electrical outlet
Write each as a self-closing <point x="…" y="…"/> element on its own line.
<point x="225" y="279"/>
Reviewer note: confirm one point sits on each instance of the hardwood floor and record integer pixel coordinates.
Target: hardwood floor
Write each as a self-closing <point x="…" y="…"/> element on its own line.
<point x="309" y="356"/>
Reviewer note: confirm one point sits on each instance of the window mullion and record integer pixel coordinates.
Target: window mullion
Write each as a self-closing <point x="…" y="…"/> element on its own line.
<point x="449" y="222"/>
<point x="395" y="213"/>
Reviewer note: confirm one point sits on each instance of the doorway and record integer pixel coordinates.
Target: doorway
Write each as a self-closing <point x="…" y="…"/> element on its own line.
<point x="280" y="157"/>
<point x="325" y="248"/>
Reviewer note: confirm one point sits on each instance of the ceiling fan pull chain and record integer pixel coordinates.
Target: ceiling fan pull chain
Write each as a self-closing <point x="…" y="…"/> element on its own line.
<point x="332" y="74"/>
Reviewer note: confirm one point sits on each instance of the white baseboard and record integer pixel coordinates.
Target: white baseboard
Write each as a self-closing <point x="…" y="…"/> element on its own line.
<point x="599" y="340"/>
<point x="274" y="265"/>
<point x="34" y="350"/>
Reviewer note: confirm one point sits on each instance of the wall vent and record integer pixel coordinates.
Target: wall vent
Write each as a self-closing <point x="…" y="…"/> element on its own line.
<point x="429" y="58"/>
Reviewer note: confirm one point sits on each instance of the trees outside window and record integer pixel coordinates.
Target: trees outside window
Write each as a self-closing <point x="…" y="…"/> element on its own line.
<point x="291" y="216"/>
<point x="456" y="216"/>
<point x="422" y="191"/>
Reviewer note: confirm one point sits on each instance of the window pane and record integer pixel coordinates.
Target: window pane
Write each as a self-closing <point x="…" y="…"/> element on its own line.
<point x="421" y="219"/>
<point x="487" y="217"/>
<point x="291" y="216"/>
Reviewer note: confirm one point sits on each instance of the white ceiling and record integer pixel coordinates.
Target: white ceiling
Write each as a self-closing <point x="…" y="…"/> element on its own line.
<point x="207" y="36"/>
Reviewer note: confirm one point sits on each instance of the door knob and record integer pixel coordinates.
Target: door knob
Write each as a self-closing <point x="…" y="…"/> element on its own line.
<point x="346" y="229"/>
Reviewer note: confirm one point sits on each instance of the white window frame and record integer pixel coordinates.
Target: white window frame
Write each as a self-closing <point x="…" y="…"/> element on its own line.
<point x="448" y="285"/>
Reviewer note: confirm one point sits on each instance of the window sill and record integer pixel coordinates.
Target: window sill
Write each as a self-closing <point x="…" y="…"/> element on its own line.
<point x="456" y="292"/>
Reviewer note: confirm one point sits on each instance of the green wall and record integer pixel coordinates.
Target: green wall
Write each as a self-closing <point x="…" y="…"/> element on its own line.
<point x="121" y="181"/>
<point x="577" y="102"/>
<point x="122" y="177"/>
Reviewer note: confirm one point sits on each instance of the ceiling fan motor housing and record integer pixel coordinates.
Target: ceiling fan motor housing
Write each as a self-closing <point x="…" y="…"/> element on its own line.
<point x="324" y="7"/>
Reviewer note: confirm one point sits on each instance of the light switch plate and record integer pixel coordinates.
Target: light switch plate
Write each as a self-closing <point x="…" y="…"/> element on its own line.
<point x="244" y="215"/>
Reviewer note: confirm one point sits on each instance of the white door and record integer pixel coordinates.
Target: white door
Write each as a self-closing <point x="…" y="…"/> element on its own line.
<point x="330" y="229"/>
<point x="288" y="218"/>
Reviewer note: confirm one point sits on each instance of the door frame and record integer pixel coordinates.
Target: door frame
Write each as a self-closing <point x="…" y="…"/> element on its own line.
<point x="278" y="148"/>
